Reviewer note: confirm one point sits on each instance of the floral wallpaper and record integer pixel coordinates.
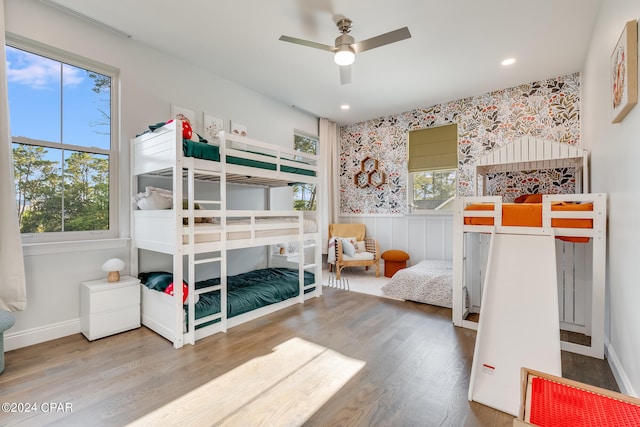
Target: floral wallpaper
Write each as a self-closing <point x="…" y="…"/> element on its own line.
<point x="548" y="109"/>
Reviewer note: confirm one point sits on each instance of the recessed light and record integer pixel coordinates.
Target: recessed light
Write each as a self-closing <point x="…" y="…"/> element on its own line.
<point x="508" y="61"/>
<point x="344" y="107"/>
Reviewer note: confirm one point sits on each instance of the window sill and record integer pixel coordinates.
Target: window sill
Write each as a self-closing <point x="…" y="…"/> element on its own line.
<point x="31" y="249"/>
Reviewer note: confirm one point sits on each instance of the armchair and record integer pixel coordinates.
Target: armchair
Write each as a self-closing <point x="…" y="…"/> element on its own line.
<point x="367" y="255"/>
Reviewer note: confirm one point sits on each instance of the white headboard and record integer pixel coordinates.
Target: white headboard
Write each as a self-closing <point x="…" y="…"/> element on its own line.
<point x="531" y="153"/>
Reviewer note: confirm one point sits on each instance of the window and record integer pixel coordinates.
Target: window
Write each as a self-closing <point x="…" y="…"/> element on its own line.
<point x="433" y="161"/>
<point x="62" y="115"/>
<point x="304" y="195"/>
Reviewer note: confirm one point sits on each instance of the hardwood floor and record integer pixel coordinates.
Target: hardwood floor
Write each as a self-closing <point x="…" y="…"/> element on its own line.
<point x="416" y="370"/>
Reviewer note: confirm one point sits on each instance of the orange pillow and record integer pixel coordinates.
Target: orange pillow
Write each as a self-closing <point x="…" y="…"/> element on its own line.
<point x="533" y="198"/>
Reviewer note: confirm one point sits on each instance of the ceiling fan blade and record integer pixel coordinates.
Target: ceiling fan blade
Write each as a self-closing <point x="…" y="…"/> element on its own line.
<point x="382" y="39"/>
<point x="345" y="74"/>
<point x="308" y="43"/>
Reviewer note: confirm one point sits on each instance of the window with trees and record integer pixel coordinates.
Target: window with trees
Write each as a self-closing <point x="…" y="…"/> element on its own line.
<point x="62" y="111"/>
<point x="304" y="195"/>
<point x="433" y="160"/>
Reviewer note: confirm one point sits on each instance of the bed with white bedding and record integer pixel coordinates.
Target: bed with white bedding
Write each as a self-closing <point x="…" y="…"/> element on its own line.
<point x="429" y="282"/>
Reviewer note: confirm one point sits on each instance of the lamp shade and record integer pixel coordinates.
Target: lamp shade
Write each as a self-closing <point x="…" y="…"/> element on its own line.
<point x="344" y="55"/>
<point x="113" y="266"/>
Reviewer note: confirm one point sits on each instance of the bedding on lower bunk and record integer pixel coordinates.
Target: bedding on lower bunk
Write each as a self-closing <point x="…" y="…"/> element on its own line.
<point x="429" y="281"/>
<point x="245" y="292"/>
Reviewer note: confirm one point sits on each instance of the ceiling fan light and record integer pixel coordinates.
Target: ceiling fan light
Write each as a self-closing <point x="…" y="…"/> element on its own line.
<point x="344" y="56"/>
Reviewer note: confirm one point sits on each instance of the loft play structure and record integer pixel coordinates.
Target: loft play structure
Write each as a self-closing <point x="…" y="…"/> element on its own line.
<point x="534" y="271"/>
<point x="197" y="232"/>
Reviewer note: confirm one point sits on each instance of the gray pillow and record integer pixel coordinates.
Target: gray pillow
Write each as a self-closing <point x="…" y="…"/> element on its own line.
<point x="348" y="248"/>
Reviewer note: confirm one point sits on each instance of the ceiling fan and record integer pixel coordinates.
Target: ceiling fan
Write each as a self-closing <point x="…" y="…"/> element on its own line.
<point x="345" y="48"/>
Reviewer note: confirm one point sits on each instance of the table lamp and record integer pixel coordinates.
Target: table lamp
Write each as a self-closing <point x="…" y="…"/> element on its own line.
<point x="113" y="266"/>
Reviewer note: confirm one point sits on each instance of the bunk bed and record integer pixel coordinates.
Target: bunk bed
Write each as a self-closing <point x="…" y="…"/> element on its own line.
<point x="198" y="232"/>
<point x="577" y="221"/>
<point x="513" y="261"/>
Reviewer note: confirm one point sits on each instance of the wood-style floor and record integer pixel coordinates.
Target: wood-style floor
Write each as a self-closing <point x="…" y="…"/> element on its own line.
<point x="416" y="372"/>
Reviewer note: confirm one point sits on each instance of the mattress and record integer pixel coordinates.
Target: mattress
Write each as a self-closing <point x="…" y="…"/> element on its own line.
<point x="429" y="282"/>
<point x="530" y="215"/>
<point x="309" y="226"/>
<point x="202" y="150"/>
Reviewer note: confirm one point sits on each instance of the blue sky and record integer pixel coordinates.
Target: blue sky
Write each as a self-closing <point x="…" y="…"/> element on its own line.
<point x="36" y="85"/>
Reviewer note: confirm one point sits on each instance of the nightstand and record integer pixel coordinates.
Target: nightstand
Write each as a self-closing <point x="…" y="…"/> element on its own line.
<point x="107" y="308"/>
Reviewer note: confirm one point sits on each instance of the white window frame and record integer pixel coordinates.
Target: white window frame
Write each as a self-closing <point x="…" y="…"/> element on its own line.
<point x="114" y="191"/>
<point x="316" y="138"/>
<point x="413" y="208"/>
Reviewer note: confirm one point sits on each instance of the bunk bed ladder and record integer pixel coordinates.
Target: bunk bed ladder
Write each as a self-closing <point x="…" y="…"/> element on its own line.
<point x="315" y="288"/>
<point x="518" y="319"/>
<point x="194" y="260"/>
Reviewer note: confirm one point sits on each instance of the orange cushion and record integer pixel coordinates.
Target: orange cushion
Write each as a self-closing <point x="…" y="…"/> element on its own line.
<point x="395" y="255"/>
<point x="528" y="198"/>
<point x="533" y="198"/>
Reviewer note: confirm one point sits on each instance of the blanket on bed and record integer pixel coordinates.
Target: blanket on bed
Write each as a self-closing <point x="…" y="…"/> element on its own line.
<point x="245" y="292"/>
<point x="430" y="282"/>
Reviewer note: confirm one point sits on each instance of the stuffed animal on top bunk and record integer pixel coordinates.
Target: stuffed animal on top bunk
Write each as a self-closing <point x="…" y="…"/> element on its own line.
<point x="187" y="129"/>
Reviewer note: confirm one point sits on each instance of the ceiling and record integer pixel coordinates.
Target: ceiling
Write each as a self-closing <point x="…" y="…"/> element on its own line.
<point x="454" y="52"/>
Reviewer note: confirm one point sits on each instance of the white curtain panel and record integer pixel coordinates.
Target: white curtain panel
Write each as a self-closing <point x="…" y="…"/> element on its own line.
<point x="13" y="291"/>
<point x="329" y="190"/>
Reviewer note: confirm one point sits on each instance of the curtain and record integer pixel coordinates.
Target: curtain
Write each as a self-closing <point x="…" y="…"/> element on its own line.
<point x="434" y="148"/>
<point x="13" y="291"/>
<point x="329" y="190"/>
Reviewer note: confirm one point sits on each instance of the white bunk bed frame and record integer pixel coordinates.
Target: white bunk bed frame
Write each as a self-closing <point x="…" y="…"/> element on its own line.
<point x="530" y="153"/>
<point x="160" y="153"/>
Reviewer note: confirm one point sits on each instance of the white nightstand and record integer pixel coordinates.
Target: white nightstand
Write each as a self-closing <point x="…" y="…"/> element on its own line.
<point x="108" y="308"/>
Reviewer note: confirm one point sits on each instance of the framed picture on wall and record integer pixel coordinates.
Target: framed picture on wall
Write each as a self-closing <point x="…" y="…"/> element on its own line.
<point x="212" y="125"/>
<point x="624" y="73"/>
<point x="238" y="129"/>
<point x="177" y="110"/>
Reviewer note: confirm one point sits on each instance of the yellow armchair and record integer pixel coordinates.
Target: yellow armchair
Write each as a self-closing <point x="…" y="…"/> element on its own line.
<point x="370" y="256"/>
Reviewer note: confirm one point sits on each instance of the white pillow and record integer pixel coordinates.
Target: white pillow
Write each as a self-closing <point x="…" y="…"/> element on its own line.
<point x="348" y="248"/>
<point x="154" y="201"/>
<point x="360" y="247"/>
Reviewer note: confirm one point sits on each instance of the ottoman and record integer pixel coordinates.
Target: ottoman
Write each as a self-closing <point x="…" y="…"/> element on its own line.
<point x="6" y="321"/>
<point x="394" y="260"/>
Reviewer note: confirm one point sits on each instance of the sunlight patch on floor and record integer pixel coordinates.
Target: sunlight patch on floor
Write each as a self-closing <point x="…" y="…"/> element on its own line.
<point x="284" y="387"/>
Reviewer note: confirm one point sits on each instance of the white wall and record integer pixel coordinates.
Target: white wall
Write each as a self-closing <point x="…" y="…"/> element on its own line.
<point x="428" y="236"/>
<point x="150" y="82"/>
<point x="614" y="170"/>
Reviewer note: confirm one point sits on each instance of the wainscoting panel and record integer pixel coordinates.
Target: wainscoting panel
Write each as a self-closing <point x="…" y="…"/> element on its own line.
<point x="422" y="236"/>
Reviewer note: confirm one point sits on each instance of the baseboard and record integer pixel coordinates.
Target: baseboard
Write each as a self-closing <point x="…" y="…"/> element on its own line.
<point x="616" y="368"/>
<point x="39" y="335"/>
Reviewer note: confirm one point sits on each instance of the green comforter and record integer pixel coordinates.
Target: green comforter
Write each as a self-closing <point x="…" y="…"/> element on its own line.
<point x="248" y="291"/>
<point x="202" y="150"/>
<point x="245" y="292"/>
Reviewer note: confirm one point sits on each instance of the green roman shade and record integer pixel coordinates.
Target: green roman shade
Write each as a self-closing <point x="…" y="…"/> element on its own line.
<point x="433" y="148"/>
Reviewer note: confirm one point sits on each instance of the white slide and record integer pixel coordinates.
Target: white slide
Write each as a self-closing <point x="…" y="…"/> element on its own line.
<point x="519" y="321"/>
